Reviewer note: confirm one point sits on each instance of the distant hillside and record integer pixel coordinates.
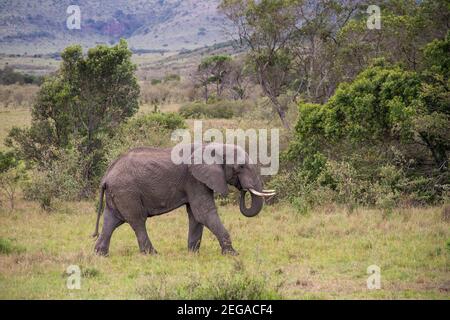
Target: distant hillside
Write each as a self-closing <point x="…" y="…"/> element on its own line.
<point x="39" y="26"/>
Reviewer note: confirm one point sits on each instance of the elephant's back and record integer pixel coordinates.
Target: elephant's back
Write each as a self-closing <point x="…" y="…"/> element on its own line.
<point x="139" y="165"/>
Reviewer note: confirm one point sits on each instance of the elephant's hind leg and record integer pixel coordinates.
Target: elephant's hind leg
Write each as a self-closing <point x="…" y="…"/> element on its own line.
<point x="131" y="208"/>
<point x="110" y="223"/>
<point x="195" y="232"/>
<point x="145" y="245"/>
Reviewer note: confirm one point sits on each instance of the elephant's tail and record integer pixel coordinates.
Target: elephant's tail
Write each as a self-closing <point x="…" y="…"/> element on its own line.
<point x="100" y="209"/>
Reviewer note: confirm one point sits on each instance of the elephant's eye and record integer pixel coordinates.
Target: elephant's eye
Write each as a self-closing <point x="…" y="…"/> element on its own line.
<point x="241" y="166"/>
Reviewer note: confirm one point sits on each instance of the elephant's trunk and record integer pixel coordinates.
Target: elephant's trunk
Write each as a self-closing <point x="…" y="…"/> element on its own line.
<point x="255" y="208"/>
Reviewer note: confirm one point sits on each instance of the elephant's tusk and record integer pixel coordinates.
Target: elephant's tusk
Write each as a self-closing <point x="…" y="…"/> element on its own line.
<point x="261" y="194"/>
<point x="268" y="191"/>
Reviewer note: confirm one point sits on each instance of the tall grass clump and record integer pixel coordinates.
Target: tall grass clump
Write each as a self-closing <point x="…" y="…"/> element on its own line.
<point x="228" y="286"/>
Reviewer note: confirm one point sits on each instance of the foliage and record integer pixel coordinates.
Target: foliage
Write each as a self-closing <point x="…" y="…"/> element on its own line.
<point x="79" y="107"/>
<point x="266" y="28"/>
<point x="151" y="130"/>
<point x="12" y="175"/>
<point x="8" y="247"/>
<point x="220" y="109"/>
<point x="62" y="180"/>
<point x="212" y="70"/>
<point x="307" y="48"/>
<point x="9" y="77"/>
<point x="238" y="285"/>
<point x="380" y="120"/>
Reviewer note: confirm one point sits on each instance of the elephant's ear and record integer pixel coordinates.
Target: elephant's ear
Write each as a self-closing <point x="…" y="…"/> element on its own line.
<point x="212" y="175"/>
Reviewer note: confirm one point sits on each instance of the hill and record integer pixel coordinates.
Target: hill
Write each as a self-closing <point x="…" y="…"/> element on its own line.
<point x="39" y="27"/>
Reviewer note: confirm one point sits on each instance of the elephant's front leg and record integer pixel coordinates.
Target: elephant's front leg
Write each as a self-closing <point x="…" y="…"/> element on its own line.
<point x="204" y="211"/>
<point x="213" y="223"/>
<point x="195" y="232"/>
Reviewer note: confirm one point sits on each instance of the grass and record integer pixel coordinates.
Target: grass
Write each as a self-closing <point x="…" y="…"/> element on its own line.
<point x="282" y="255"/>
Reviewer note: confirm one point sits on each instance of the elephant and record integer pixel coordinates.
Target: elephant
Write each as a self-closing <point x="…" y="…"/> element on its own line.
<point x="146" y="182"/>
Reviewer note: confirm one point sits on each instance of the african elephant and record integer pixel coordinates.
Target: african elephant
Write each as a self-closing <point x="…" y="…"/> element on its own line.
<point x="145" y="182"/>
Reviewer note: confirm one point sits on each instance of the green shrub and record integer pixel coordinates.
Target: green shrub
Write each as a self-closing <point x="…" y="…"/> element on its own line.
<point x="168" y="121"/>
<point x="341" y="183"/>
<point x="8" y="247"/>
<point x="61" y="180"/>
<point x="151" y="130"/>
<point x="90" y="272"/>
<point x="172" y="77"/>
<point x="377" y="141"/>
<point x="234" y="287"/>
<point x="223" y="109"/>
<point x="230" y="286"/>
<point x="12" y="176"/>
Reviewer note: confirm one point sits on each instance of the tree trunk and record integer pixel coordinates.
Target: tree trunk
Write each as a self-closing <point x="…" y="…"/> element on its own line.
<point x="206" y="93"/>
<point x="281" y="113"/>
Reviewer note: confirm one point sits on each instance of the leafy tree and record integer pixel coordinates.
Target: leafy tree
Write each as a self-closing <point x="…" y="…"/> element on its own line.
<point x="266" y="28"/>
<point x="218" y="66"/>
<point x="434" y="119"/>
<point x="289" y="44"/>
<point x="239" y="78"/>
<point x="381" y="118"/>
<point x="80" y="107"/>
<point x="213" y="69"/>
<point x="12" y="174"/>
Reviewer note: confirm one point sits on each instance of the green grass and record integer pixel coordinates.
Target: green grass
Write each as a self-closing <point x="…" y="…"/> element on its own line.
<point x="282" y="255"/>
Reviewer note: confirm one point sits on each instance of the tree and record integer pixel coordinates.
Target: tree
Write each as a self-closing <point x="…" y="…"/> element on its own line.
<point x="12" y="174"/>
<point x="305" y="48"/>
<point x="238" y="79"/>
<point x="433" y="121"/>
<point x="218" y="67"/>
<point x="266" y="28"/>
<point x="81" y="106"/>
<point x="290" y="43"/>
<point x="213" y="69"/>
<point x="385" y="117"/>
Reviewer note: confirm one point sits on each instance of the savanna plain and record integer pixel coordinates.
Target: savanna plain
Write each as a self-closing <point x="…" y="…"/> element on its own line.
<point x="322" y="255"/>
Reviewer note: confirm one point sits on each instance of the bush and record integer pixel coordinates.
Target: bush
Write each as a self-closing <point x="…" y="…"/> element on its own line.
<point x="78" y="108"/>
<point x="377" y="141"/>
<point x="62" y="177"/>
<point x="8" y="247"/>
<point x="223" y="109"/>
<point x="342" y="183"/>
<point x="62" y="180"/>
<point x="152" y="130"/>
<point x="231" y="286"/>
<point x="166" y="121"/>
<point x="12" y="175"/>
<point x="9" y="77"/>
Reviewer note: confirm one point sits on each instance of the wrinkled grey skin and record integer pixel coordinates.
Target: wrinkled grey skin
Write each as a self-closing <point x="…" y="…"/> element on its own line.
<point x="145" y="182"/>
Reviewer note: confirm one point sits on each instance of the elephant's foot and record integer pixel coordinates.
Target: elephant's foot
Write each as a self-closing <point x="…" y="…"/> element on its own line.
<point x="151" y="251"/>
<point x="194" y="247"/>
<point x="101" y="251"/>
<point x="229" y="252"/>
<point x="193" y="251"/>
